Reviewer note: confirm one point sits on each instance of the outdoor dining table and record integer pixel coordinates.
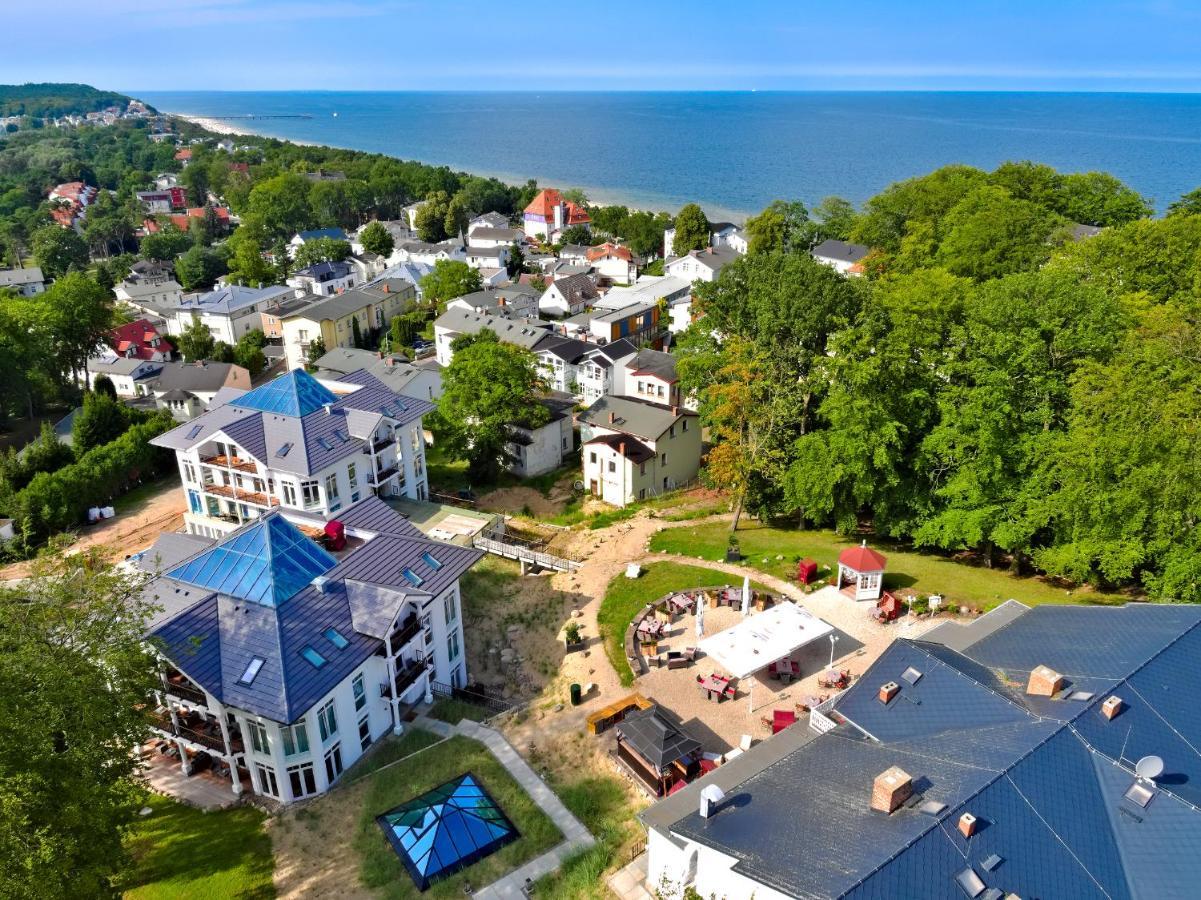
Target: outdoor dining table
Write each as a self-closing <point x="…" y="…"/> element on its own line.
<point x="681" y="603"/>
<point x="651" y="628"/>
<point x="714" y="685"/>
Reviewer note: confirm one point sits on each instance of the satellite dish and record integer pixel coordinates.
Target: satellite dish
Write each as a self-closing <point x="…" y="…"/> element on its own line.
<point x="1149" y="768"/>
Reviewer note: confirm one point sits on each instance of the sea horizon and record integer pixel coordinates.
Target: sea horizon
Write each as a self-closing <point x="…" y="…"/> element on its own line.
<point x="733" y="151"/>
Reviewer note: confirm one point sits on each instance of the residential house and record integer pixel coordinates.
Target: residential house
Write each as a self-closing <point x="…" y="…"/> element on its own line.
<point x="155" y="202"/>
<point x="576" y="254"/>
<point x="548" y="215"/>
<point x="412" y="272"/>
<point x="701" y="265"/>
<point x="495" y="257"/>
<point x="70" y="202"/>
<point x="675" y="293"/>
<point x="429" y="254"/>
<point x="842" y="256"/>
<point x="183" y="157"/>
<point x="488" y="220"/>
<point x="319" y="446"/>
<point x="614" y="262"/>
<point x="486" y="236"/>
<point x="639" y="322"/>
<point x="325" y="278"/>
<point x="585" y="370"/>
<point x="634" y="449"/>
<point x="228" y="312"/>
<point x="397" y="228"/>
<point x="365" y="265"/>
<point x="287" y="661"/>
<point x="538" y="449"/>
<point x="187" y="389"/>
<point x="422" y="379"/>
<point x="151" y="271"/>
<point x="410" y="213"/>
<point x="131" y="376"/>
<point x="158" y="299"/>
<point x="516" y="330"/>
<point x="184" y="220"/>
<point x="651" y="375"/>
<point x="727" y="234"/>
<point x="493" y="278"/>
<point x="140" y="339"/>
<point x="513" y="300"/>
<point x="301" y="238"/>
<point x="24" y="282"/>
<point x="568" y="296"/>
<point x="273" y="314"/>
<point x="1031" y="752"/>
<point x="333" y="320"/>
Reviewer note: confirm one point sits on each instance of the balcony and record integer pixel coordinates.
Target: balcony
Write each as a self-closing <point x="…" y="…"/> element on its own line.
<point x="383" y="476"/>
<point x="408" y="676"/>
<point x="204" y="733"/>
<point x="240" y="495"/>
<point x="405" y="632"/>
<point x="378" y="444"/>
<point x="178" y="686"/>
<point x="231" y="462"/>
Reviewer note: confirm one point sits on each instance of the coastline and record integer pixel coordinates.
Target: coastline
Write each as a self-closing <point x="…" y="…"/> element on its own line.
<point x="596" y="195"/>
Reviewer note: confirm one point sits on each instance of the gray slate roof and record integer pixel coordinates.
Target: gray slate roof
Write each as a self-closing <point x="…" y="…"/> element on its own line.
<point x="633" y="416"/>
<point x="654" y="362"/>
<point x="495" y="234"/>
<point x="524" y="332"/>
<point x="193" y="377"/>
<point x="841" y="250"/>
<point x="18" y="277"/>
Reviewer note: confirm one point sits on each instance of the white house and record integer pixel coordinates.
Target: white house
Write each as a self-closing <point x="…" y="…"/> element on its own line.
<point x="634" y="449"/>
<point x="614" y="262"/>
<point x="25" y="282"/>
<point x="488" y="220"/>
<point x="651" y="375"/>
<point x="701" y="265"/>
<point x="422" y="252"/>
<point x="228" y="312"/>
<point x="131" y="377"/>
<point x="285" y="660"/>
<point x="585" y="370"/>
<point x="325" y="278"/>
<point x="841" y="256"/>
<point x="493" y="257"/>
<point x="727" y="234"/>
<point x="549" y="214"/>
<point x="512" y="300"/>
<point x="422" y="379"/>
<point x="398" y="229"/>
<point x="516" y="330"/>
<point x="568" y="296"/>
<point x="538" y="449"/>
<point x="186" y="389"/>
<point x="155" y="298"/>
<point x="486" y="236"/>
<point x="302" y="444"/>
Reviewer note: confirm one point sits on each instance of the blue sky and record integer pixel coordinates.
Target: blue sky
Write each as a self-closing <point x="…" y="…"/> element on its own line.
<point x="612" y="44"/>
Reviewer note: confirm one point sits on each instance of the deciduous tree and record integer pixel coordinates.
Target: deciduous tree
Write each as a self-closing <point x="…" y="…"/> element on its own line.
<point x="692" y="230"/>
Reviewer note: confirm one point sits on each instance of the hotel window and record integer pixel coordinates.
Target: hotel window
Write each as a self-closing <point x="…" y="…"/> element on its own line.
<point x="333" y="763"/>
<point x="448" y="607"/>
<point x="360" y="694"/>
<point x="327" y="721"/>
<point x="364" y="732"/>
<point x="663" y="460"/>
<point x="331" y="487"/>
<point x="258" y="737"/>
<point x="671" y="432"/>
<point x="296" y="738"/>
<point x="289" y="490"/>
<point x="427" y="626"/>
<point x="302" y="780"/>
<point x="189" y="473"/>
<point x="612" y="466"/>
<point x="310" y="493"/>
<point x="267" y="783"/>
<point x="352" y="475"/>
<point x="452" y="645"/>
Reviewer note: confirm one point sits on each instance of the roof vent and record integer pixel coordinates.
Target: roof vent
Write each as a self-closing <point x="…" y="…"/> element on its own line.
<point x="1112" y="706"/>
<point x="888" y="691"/>
<point x="1044" y="682"/>
<point x="321" y="583"/>
<point x="967" y="825"/>
<point x="891" y="788"/>
<point x="711" y="795"/>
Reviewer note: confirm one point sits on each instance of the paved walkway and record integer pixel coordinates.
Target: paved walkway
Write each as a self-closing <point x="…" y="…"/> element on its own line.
<point x="630" y="883"/>
<point x="576" y="836"/>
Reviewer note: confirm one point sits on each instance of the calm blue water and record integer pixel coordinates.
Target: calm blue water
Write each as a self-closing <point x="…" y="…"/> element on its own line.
<point x="736" y="152"/>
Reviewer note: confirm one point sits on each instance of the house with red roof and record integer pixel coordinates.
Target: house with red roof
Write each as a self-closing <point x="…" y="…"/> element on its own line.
<point x="549" y="214"/>
<point x="140" y="340"/>
<point x="70" y="201"/>
<point x="184" y="156"/>
<point x="613" y="261"/>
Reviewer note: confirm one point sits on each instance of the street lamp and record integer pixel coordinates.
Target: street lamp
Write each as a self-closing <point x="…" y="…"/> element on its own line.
<point x="833" y="641"/>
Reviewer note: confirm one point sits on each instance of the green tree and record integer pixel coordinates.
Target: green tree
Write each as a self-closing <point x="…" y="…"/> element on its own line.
<point x="516" y="264"/>
<point x="196" y="342"/>
<point x="281" y="205"/>
<point x="488" y="388"/>
<point x="457" y="216"/>
<point x="75" y="679"/>
<point x="198" y="268"/>
<point x="377" y="239"/>
<point x="315" y="352"/>
<point x="1031" y="181"/>
<point x="246" y="262"/>
<point x="1188" y="205"/>
<point x="102" y="419"/>
<point x="195" y="179"/>
<point x="59" y="250"/>
<point x="988" y="234"/>
<point x="889" y="215"/>
<point x="165" y="245"/>
<point x="70" y="320"/>
<point x="248" y="352"/>
<point x="431" y="217"/>
<point x="782" y="227"/>
<point x="319" y="250"/>
<point x="104" y="385"/>
<point x="692" y="230"/>
<point x="577" y="234"/>
<point x="836" y="218"/>
<point x="449" y="279"/>
<point x="406" y="328"/>
<point x="1097" y="198"/>
<point x="356" y="333"/>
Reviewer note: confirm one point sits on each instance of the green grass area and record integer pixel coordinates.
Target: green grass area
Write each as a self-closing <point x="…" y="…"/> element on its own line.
<point x="455" y="711"/>
<point x="390" y="749"/>
<point x="925" y="573"/>
<point x="450" y="475"/>
<point x="181" y="852"/>
<point x="624" y="597"/>
<point x="601" y="804"/>
<point x="379" y="866"/>
<point x="131" y="500"/>
<point x="574" y="515"/>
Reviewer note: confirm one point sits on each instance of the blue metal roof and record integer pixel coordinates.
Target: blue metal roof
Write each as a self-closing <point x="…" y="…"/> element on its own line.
<point x="446" y="830"/>
<point x="266" y="563"/>
<point x="295" y="393"/>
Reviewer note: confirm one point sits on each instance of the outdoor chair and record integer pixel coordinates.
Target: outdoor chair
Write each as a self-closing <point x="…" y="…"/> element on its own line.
<point x="690" y="653"/>
<point x="700" y="679"/>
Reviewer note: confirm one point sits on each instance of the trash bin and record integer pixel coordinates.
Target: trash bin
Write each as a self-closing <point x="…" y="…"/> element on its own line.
<point x="575" y="695"/>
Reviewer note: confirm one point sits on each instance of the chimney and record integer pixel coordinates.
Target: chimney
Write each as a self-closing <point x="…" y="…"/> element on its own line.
<point x="329" y="409"/>
<point x="612" y="417"/>
<point x="621" y="448"/>
<point x="888" y="691"/>
<point x="891" y="788"/>
<point x="1044" y="682"/>
<point x="675" y="410"/>
<point x="389" y="362"/>
<point x="1112" y="706"/>
<point x="967" y="825"/>
<point x="387" y="288"/>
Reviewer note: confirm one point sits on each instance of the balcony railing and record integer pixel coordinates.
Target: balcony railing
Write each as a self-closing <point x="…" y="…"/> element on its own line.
<point x="407" y="677"/>
<point x="230" y="462"/>
<point x="254" y="498"/>
<point x="384" y="476"/>
<point x="185" y="691"/>
<point x="405" y="632"/>
<point x="379" y="444"/>
<point x="209" y="737"/>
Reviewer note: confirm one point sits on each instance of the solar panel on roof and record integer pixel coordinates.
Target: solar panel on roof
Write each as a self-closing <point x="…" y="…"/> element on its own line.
<point x="194" y="430"/>
<point x="315" y="659"/>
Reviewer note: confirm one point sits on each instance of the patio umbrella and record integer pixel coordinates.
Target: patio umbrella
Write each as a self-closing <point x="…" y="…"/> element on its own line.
<point x="700" y="616"/>
<point x="746" y="595"/>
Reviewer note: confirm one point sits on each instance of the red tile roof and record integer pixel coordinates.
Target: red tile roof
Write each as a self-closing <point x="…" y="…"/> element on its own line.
<point x="185" y="153"/>
<point x="544" y="205"/>
<point x="608" y="249"/>
<point x="862" y="559"/>
<point x="138" y="335"/>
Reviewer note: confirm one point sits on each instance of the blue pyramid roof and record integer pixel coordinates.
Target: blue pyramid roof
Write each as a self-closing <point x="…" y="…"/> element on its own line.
<point x="295" y="393"/>
<point x="446" y="829"/>
<point x="266" y="563"/>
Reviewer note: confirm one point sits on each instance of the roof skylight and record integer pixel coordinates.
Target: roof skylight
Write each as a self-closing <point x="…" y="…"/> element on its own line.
<point x="412" y="577"/>
<point x="430" y="560"/>
<point x="911" y="675"/>
<point x="283" y="450"/>
<point x="194" y="430"/>
<point x="252" y="669"/>
<point x="315" y="659"/>
<point x="325" y="444"/>
<point x="335" y="637"/>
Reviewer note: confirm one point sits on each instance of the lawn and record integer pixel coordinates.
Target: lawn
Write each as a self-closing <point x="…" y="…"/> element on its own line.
<point x="624" y="597"/>
<point x="455" y="711"/>
<point x="925" y="573"/>
<point x="390" y="749"/>
<point x="181" y="852"/>
<point x="379" y="866"/>
<point x="451" y="475"/>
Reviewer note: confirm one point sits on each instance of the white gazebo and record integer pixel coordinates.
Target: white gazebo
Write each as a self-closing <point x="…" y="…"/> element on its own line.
<point x="765" y="638"/>
<point x="861" y="573"/>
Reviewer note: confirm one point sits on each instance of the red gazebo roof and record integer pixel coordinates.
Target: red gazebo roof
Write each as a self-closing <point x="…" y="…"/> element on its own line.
<point x="862" y="559"/>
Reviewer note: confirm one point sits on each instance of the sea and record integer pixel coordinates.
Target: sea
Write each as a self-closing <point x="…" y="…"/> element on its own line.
<point x="734" y="152"/>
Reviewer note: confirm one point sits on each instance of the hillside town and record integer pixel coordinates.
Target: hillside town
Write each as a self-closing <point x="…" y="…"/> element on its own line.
<point x="526" y="546"/>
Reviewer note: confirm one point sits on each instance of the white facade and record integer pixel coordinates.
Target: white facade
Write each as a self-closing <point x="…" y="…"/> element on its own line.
<point x="541" y="450"/>
<point x="488" y="257"/>
<point x="671" y="868"/>
<point x="26" y="282"/>
<point x="153" y="298"/>
<point x="130" y="378"/>
<point x="620" y="478"/>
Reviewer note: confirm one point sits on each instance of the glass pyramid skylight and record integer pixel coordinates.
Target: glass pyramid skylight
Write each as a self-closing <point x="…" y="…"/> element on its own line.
<point x="446" y="830"/>
<point x="267" y="563"/>
<point x="295" y="393"/>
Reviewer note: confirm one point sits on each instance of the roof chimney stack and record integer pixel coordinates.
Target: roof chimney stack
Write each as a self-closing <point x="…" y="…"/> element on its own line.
<point x="612" y="417"/>
<point x="888" y="691"/>
<point x="1044" y="682"/>
<point x="891" y="788"/>
<point x="1112" y="706"/>
<point x="967" y="825"/>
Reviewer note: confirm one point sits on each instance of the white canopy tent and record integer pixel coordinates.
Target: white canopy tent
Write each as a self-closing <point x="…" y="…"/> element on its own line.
<point x="762" y="639"/>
